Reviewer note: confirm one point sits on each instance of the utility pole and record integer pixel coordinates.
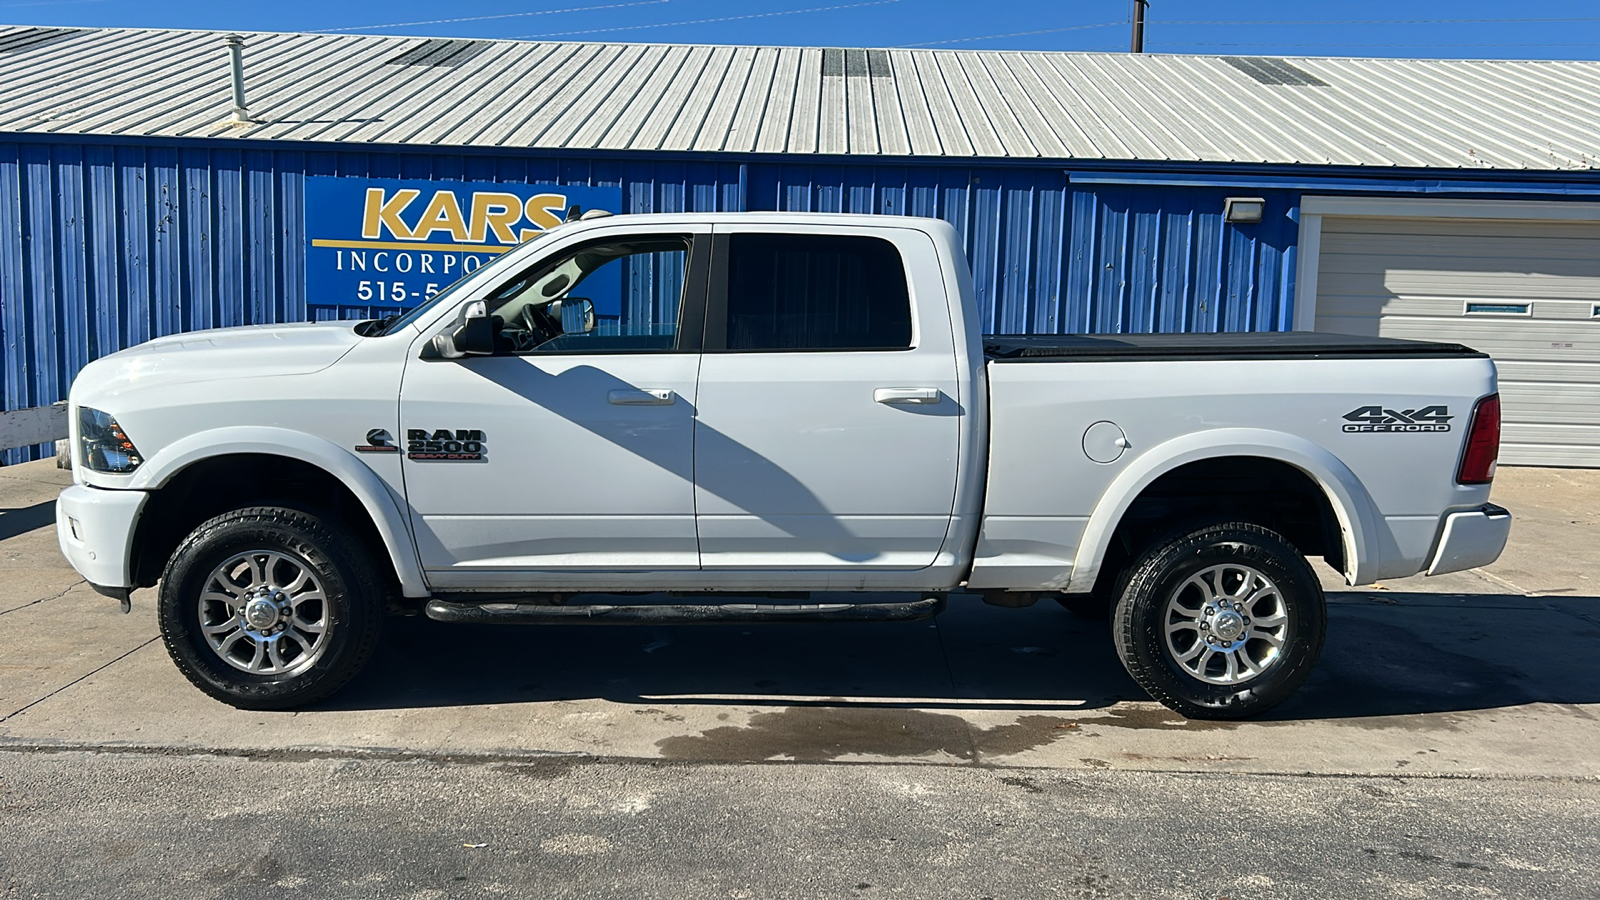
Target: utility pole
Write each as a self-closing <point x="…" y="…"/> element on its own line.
<point x="1138" y="26"/>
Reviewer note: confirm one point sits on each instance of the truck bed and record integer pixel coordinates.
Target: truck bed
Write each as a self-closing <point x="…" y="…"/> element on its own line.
<point x="1253" y="345"/>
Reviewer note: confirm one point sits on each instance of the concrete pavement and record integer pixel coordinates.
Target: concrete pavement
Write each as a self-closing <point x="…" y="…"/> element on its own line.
<point x="1488" y="671"/>
<point x="87" y="824"/>
<point x="1472" y="701"/>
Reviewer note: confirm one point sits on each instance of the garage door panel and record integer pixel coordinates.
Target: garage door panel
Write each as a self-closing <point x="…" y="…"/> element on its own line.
<point x="1566" y="256"/>
<point x="1507" y="285"/>
<point x="1368" y="305"/>
<point x="1587" y="457"/>
<point x="1397" y="226"/>
<point x="1477" y="285"/>
<point x="1558" y="372"/>
<point x="1415" y="278"/>
<point x="1363" y="326"/>
<point x="1497" y="338"/>
<point x="1570" y="314"/>
<point x="1558" y="404"/>
<point x="1554" y="435"/>
<point x="1495" y="285"/>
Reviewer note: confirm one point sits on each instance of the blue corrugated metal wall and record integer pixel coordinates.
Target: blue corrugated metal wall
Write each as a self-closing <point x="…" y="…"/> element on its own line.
<point x="1053" y="257"/>
<point x="105" y="246"/>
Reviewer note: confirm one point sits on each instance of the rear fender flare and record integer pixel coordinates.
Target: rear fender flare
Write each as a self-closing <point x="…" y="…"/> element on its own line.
<point x="1358" y="518"/>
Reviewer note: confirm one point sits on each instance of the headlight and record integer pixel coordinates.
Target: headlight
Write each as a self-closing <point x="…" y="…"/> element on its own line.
<point x="103" y="446"/>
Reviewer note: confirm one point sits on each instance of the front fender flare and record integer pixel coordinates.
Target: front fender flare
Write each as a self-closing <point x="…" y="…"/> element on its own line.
<point x="386" y="510"/>
<point x="1359" y="524"/>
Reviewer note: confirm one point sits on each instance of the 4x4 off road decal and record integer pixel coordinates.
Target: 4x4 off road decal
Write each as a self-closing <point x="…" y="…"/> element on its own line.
<point x="1374" y="419"/>
<point x="461" y="445"/>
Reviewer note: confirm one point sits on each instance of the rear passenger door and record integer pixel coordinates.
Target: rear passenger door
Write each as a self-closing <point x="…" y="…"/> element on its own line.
<point x="827" y="427"/>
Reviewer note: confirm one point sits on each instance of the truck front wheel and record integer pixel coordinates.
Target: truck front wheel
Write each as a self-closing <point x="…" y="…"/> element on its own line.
<point x="269" y="608"/>
<point x="1220" y="622"/>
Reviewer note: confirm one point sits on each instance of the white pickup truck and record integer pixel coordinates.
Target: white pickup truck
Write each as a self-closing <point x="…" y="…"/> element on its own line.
<point x="735" y="411"/>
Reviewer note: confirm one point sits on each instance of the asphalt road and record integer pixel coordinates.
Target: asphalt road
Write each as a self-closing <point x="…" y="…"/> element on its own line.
<point x="1445" y="747"/>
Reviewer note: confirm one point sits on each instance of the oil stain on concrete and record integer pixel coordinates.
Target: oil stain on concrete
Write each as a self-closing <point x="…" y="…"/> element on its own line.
<point x="824" y="734"/>
<point x="1154" y="718"/>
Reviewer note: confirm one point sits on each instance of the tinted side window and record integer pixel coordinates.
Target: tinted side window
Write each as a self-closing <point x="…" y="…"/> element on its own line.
<point x="816" y="292"/>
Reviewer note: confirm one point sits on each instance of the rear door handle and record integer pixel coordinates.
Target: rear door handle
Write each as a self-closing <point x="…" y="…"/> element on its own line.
<point x="906" y="395"/>
<point x="644" y="397"/>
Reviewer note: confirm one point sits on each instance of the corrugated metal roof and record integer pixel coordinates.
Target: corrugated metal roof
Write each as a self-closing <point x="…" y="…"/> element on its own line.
<point x="1479" y="114"/>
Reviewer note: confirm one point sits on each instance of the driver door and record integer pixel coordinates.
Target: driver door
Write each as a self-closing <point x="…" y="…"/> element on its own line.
<point x="565" y="458"/>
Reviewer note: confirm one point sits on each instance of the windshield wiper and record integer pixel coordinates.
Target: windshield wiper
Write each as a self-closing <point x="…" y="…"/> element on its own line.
<point x="376" y="327"/>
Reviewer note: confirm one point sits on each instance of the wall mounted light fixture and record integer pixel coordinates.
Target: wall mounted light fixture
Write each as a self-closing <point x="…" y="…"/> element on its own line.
<point x="1243" y="210"/>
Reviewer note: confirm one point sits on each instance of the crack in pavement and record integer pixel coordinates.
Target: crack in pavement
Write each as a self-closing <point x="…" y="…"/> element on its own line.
<point x="84" y="676"/>
<point x="1500" y="582"/>
<point x="1582" y="617"/>
<point x="557" y="760"/>
<point x="48" y="482"/>
<point x="1534" y="595"/>
<point x="63" y="593"/>
<point x="944" y="655"/>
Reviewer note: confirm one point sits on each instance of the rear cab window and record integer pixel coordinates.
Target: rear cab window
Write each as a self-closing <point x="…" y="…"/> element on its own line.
<point x="798" y="292"/>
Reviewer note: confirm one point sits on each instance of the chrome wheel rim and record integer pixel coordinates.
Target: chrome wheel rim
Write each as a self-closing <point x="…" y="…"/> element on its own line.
<point x="1226" y="624"/>
<point x="265" y="613"/>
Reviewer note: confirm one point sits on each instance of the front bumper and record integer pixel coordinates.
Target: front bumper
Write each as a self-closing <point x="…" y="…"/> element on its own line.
<point x="95" y="529"/>
<point x="1471" y="539"/>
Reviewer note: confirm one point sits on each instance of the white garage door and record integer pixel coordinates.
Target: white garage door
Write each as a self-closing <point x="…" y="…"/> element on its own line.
<point x="1525" y="292"/>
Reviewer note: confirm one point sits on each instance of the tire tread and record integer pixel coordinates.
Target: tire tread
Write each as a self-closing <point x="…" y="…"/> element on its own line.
<point x="346" y="555"/>
<point x="1144" y="576"/>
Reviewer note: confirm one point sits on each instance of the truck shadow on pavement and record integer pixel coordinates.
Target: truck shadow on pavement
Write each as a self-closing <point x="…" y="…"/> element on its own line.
<point x="973" y="657"/>
<point x="1399" y="654"/>
<point x="21" y="520"/>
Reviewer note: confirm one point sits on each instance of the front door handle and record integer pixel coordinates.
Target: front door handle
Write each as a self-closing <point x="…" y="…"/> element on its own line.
<point x="906" y="395"/>
<point x="644" y="397"/>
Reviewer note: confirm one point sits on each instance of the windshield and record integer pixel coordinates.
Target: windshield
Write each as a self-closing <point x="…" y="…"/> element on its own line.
<point x="396" y="322"/>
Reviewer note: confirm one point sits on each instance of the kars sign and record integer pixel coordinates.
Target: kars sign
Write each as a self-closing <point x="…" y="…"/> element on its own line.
<point x="382" y="242"/>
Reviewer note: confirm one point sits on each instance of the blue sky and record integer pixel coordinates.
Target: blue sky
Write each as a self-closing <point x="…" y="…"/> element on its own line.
<point x="1465" y="28"/>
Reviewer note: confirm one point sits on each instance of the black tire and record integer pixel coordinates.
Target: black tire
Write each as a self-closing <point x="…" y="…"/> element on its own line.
<point x="306" y="665"/>
<point x="1159" y="591"/>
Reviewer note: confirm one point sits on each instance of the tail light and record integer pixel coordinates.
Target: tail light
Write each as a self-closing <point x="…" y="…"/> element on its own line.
<point x="1483" y="443"/>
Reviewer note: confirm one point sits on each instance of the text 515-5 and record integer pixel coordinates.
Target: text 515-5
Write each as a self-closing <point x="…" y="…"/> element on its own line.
<point x="393" y="292"/>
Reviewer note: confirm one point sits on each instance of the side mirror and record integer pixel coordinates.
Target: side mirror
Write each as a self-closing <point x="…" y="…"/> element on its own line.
<point x="576" y="315"/>
<point x="472" y="335"/>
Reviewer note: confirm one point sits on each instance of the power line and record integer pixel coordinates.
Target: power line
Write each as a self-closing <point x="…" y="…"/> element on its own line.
<point x="1289" y="22"/>
<point x="542" y="12"/>
<point x="1380" y="21"/>
<point x="1354" y="44"/>
<point x="1015" y="34"/>
<point x="788" y="12"/>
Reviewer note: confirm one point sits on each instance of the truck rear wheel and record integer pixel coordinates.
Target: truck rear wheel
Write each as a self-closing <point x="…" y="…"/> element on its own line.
<point x="1222" y="621"/>
<point x="269" y="608"/>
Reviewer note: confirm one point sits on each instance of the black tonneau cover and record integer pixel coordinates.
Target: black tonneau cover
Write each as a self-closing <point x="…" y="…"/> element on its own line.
<point x="1232" y="345"/>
